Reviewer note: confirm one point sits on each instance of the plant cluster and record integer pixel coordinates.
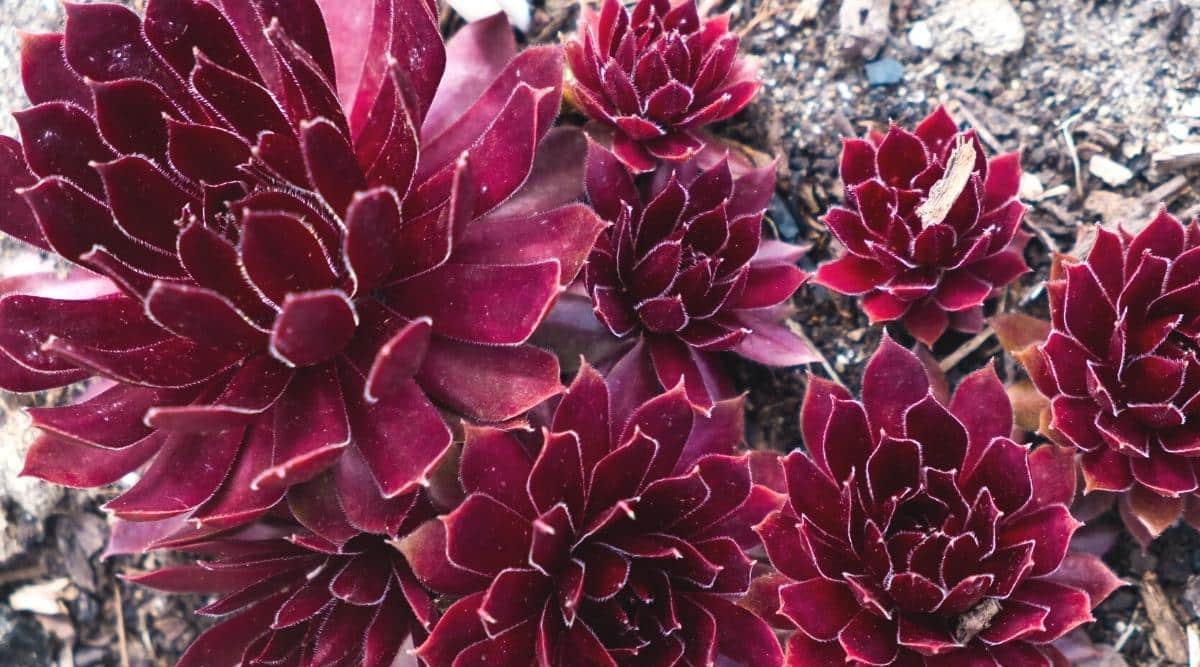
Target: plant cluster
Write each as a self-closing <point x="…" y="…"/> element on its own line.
<point x="326" y="264"/>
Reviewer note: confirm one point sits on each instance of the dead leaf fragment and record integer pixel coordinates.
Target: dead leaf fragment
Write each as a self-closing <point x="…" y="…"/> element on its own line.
<point x="945" y="192"/>
<point x="1017" y="331"/>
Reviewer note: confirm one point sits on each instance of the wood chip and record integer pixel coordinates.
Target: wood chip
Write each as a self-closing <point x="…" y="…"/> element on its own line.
<point x="41" y="598"/>
<point x="1179" y="156"/>
<point x="945" y="192"/>
<point x="1167" y="192"/>
<point x="1167" y="633"/>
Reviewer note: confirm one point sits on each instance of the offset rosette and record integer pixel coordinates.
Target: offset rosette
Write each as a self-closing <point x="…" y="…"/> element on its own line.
<point x="292" y="253"/>
<point x="655" y="75"/>
<point x="918" y="533"/>
<point x="684" y="272"/>
<point x="289" y="595"/>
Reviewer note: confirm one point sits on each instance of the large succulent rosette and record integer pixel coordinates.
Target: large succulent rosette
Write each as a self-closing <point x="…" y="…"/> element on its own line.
<point x="613" y="537"/>
<point x="918" y="533"/>
<point x="655" y="75"/>
<point x="927" y="238"/>
<point x="684" y="270"/>
<point x="286" y="595"/>
<point x="1120" y="367"/>
<point x="278" y="281"/>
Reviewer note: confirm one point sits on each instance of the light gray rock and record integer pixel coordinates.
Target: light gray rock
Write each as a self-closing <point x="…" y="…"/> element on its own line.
<point x="991" y="27"/>
<point x="1112" y="173"/>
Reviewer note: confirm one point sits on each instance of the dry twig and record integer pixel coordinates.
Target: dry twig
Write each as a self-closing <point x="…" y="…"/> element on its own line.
<point x="799" y="331"/>
<point x="122" y="645"/>
<point x="965" y="349"/>
<point x="1065" y="128"/>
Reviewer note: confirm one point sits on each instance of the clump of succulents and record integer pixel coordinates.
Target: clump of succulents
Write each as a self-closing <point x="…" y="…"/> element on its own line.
<point x="271" y="275"/>
<point x="311" y="241"/>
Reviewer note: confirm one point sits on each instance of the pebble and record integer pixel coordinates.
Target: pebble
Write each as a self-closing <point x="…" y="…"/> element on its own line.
<point x="1031" y="187"/>
<point x="863" y="26"/>
<point x="785" y="222"/>
<point x="991" y="26"/>
<point x="920" y="36"/>
<point x="1112" y="173"/>
<point x="884" y="72"/>
<point x="1180" y="131"/>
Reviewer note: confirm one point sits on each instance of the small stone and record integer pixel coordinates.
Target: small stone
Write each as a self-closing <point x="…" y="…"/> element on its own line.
<point x="785" y="222"/>
<point x="1191" y="108"/>
<point x="1112" y="173"/>
<point x="863" y="26"/>
<point x="1132" y="148"/>
<point x="1180" y="131"/>
<point x="884" y="72"/>
<point x="920" y="36"/>
<point x="990" y="26"/>
<point x="1031" y="187"/>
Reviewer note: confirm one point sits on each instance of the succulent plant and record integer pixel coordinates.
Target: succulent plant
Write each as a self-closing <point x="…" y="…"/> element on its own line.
<point x="930" y="227"/>
<point x="656" y="74"/>
<point x="272" y="274"/>
<point x="684" y="270"/>
<point x="287" y="595"/>
<point x="918" y="533"/>
<point x="1120" y="369"/>
<point x="614" y="536"/>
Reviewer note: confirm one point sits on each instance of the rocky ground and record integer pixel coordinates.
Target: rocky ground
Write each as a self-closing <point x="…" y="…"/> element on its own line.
<point x="1102" y="98"/>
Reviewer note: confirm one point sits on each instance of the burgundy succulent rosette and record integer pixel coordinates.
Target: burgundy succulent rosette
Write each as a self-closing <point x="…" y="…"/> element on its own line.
<point x="613" y="537"/>
<point x="287" y="595"/>
<point x="918" y="533"/>
<point x="683" y="269"/>
<point x="1120" y="368"/>
<point x="656" y="74"/>
<point x="930" y="227"/>
<point x="278" y="281"/>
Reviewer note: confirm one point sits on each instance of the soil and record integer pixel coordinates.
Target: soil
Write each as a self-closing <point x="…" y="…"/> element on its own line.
<point x="1063" y="81"/>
